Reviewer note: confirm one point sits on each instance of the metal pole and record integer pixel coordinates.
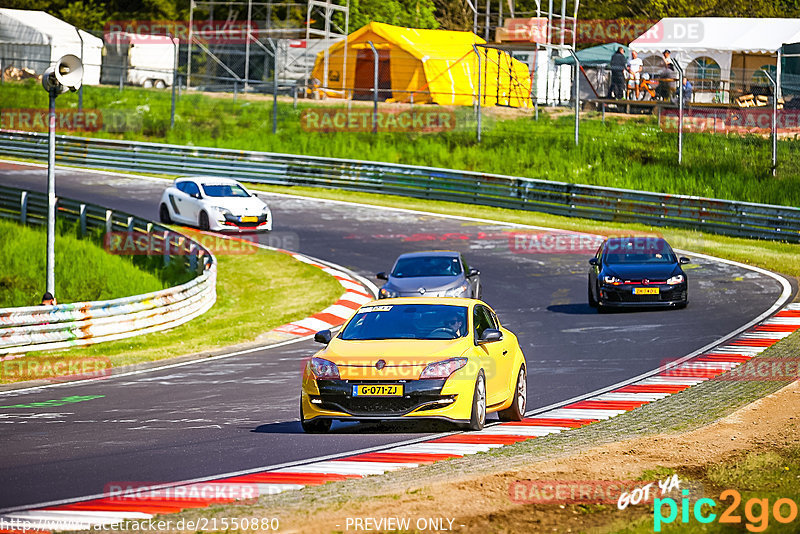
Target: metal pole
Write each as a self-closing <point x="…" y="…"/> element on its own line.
<point x="374" y="88"/>
<point x="486" y="29"/>
<point x="189" y="46"/>
<point x="174" y="82"/>
<point x="478" y="53"/>
<point x="51" y="195"/>
<point x="774" y="85"/>
<point x="247" y="46"/>
<point x="680" y="111"/>
<point x="778" y="90"/>
<point x="80" y="89"/>
<point x="577" y="95"/>
<point x="274" y="86"/>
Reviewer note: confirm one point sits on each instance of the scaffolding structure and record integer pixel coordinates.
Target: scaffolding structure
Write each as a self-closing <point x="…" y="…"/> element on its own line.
<point x="559" y="28"/>
<point x="248" y="42"/>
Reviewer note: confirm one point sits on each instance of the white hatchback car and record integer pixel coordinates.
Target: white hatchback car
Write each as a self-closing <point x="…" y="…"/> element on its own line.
<point x="218" y="204"/>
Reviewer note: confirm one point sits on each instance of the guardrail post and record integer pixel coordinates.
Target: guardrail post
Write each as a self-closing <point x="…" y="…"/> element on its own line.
<point x="23" y="205"/>
<point x="130" y="225"/>
<point x="109" y="221"/>
<point x="82" y="219"/>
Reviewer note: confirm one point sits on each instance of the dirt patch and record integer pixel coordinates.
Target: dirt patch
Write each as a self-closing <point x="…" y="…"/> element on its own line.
<point x="484" y="503"/>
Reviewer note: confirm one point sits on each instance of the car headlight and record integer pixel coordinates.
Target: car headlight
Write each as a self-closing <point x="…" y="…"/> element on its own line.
<point x="323" y="368"/>
<point x="443" y="369"/>
<point x="456" y="291"/>
<point x="612" y="280"/>
<point x="387" y="293"/>
<point x="223" y="211"/>
<point x="675" y="280"/>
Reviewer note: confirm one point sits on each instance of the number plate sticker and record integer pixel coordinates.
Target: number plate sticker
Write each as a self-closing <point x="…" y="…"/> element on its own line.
<point x="249" y="218"/>
<point x="645" y="291"/>
<point x="378" y="390"/>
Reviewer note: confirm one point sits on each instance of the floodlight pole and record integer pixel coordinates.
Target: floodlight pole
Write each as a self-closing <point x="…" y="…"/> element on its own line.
<point x="577" y="95"/>
<point x="374" y="87"/>
<point x="774" y="85"/>
<point x="680" y="111"/>
<point x="51" y="194"/>
<point x="478" y="53"/>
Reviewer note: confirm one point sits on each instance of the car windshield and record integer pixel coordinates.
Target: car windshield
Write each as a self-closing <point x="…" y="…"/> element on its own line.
<point x="407" y="321"/>
<point x="638" y="250"/>
<point x="420" y="266"/>
<point x="224" y="190"/>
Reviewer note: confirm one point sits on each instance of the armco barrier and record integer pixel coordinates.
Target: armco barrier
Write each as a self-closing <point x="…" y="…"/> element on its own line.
<point x="82" y="323"/>
<point x="605" y="204"/>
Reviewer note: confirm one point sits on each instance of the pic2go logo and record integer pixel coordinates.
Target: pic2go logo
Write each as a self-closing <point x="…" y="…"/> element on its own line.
<point x="756" y="511"/>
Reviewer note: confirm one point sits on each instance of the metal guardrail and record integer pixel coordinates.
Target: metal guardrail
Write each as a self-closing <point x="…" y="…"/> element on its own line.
<point x="733" y="218"/>
<point x="32" y="328"/>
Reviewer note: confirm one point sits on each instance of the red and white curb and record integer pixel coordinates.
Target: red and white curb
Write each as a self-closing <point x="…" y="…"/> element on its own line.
<point x="672" y="379"/>
<point x="334" y="315"/>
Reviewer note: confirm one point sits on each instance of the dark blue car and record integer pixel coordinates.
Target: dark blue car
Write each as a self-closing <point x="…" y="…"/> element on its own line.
<point x="637" y="272"/>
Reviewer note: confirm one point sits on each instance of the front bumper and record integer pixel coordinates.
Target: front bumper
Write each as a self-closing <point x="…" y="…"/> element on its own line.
<point x="333" y="399"/>
<point x="623" y="296"/>
<point x="230" y="223"/>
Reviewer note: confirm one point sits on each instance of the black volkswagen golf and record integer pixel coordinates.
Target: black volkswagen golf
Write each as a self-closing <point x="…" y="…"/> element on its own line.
<point x="637" y="272"/>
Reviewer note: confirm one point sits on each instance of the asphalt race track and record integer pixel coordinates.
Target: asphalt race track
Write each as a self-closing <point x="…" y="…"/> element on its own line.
<point x="241" y="413"/>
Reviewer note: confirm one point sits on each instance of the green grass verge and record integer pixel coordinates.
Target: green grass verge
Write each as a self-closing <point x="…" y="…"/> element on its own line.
<point x="632" y="154"/>
<point x="255" y="293"/>
<point x="772" y="255"/>
<point x="83" y="270"/>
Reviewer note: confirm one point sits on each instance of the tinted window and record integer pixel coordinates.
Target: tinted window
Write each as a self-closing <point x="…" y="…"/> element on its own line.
<point x="190" y="188"/>
<point x="427" y="266"/>
<point x="407" y="321"/>
<point x="482" y="320"/>
<point x="638" y="250"/>
<point x="224" y="190"/>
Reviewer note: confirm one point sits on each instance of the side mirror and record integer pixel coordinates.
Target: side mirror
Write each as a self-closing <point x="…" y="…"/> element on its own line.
<point x="473" y="272"/>
<point x="381" y="276"/>
<point x="490" y="335"/>
<point x="323" y="336"/>
<point x="594" y="261"/>
<point x="684" y="260"/>
<point x="197" y="195"/>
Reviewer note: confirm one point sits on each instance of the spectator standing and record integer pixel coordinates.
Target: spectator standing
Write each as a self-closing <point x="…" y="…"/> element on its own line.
<point x="618" y="66"/>
<point x="667" y="85"/>
<point x="635" y="68"/>
<point x="687" y="91"/>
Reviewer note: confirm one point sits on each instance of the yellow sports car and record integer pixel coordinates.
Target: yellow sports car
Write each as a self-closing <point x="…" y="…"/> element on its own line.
<point x="433" y="358"/>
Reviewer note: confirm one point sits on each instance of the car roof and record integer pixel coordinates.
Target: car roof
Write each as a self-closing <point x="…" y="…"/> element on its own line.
<point x="440" y="301"/>
<point x="431" y="253"/>
<point x="208" y="180"/>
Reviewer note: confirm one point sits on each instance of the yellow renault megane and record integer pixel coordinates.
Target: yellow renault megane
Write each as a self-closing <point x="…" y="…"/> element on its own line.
<point x="433" y="358"/>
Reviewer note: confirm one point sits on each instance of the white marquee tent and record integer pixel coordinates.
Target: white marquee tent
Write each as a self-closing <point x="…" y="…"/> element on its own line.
<point x="35" y="39"/>
<point x="733" y="49"/>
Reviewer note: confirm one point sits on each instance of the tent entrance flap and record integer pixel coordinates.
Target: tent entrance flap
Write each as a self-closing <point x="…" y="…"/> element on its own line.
<point x="365" y="75"/>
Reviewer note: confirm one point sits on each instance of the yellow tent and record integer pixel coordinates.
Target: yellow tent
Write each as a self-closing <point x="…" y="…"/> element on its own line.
<point x="424" y="65"/>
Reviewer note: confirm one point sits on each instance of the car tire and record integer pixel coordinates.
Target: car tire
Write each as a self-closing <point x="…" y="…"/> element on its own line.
<point x="314" y="426"/>
<point x="203" y="221"/>
<point x="477" y="419"/>
<point x="147" y="84"/>
<point x="682" y="305"/>
<point x="163" y="214"/>
<point x="159" y="84"/>
<point x="516" y="412"/>
<point x="592" y="300"/>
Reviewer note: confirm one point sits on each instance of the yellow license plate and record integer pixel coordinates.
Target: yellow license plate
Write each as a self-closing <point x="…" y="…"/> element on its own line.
<point x="645" y="291"/>
<point x="249" y="218"/>
<point x="378" y="390"/>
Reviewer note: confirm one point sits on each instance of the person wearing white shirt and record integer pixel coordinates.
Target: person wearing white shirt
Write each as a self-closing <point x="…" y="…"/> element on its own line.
<point x="635" y="69"/>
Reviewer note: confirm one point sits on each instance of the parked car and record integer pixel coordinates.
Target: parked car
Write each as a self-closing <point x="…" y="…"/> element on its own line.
<point x="218" y="204"/>
<point x="431" y="274"/>
<point x="637" y="272"/>
<point x="415" y="358"/>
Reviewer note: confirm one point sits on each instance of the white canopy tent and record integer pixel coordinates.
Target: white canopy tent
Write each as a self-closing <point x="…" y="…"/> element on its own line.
<point x="736" y="48"/>
<point x="35" y="40"/>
